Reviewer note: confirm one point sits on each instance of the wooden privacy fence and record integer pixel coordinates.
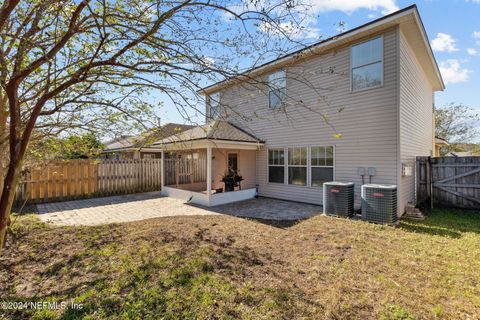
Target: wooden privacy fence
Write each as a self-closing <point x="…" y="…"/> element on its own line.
<point x="74" y="179"/>
<point x="190" y="168"/>
<point x="448" y="182"/>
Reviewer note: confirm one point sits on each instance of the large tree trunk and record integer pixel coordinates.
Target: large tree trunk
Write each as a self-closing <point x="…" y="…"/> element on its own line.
<point x="17" y="147"/>
<point x="8" y="197"/>
<point x="3" y="154"/>
<point x="18" y="143"/>
<point x="3" y="138"/>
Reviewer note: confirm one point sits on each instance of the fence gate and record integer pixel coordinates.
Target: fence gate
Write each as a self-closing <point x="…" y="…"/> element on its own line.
<point x="448" y="182"/>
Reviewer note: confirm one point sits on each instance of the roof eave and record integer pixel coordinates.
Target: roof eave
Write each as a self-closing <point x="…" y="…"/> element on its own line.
<point x="440" y="84"/>
<point x="210" y="140"/>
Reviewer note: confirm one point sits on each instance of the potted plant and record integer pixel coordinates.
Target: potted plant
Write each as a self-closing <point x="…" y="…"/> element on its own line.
<point x="231" y="179"/>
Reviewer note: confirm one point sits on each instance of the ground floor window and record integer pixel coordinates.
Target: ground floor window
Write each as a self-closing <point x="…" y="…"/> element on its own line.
<point x="276" y="165"/>
<point x="305" y="166"/>
<point x="297" y="166"/>
<point x="321" y="162"/>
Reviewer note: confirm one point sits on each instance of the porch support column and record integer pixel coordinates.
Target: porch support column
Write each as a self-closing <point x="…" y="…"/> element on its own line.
<point x="209" y="173"/>
<point x="162" y="172"/>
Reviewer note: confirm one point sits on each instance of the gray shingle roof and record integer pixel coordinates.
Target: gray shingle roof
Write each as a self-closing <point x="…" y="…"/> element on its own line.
<point x="215" y="130"/>
<point x="144" y="140"/>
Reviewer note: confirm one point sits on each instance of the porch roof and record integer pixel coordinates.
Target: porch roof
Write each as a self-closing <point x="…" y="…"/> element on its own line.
<point x="136" y="143"/>
<point x="215" y="133"/>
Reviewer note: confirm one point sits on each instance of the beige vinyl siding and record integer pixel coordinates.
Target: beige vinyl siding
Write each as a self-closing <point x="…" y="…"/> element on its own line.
<point x="246" y="167"/>
<point x="368" y="123"/>
<point x="416" y="117"/>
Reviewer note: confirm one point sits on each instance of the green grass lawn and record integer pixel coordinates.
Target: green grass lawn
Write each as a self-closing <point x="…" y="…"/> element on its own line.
<point x="213" y="267"/>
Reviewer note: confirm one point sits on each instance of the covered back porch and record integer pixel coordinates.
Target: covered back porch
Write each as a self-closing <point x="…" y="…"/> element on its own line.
<point x="201" y="167"/>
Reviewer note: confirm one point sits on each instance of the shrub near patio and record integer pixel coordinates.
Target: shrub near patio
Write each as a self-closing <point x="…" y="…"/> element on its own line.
<point x="226" y="267"/>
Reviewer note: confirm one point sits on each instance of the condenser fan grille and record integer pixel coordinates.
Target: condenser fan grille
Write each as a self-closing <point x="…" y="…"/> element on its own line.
<point x="379" y="204"/>
<point x="338" y="199"/>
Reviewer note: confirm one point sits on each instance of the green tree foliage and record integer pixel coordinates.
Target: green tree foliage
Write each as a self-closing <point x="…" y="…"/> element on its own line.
<point x="456" y="123"/>
<point x="81" y="147"/>
<point x="72" y="147"/>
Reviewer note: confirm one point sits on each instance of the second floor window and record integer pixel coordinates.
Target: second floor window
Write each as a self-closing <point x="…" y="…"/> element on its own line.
<point x="214" y="105"/>
<point x="276" y="89"/>
<point x="367" y="64"/>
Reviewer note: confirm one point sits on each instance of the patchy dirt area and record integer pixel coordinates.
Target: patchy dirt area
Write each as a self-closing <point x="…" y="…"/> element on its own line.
<point x="210" y="267"/>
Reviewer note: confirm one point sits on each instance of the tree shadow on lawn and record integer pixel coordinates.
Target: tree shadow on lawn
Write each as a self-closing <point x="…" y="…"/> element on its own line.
<point x="452" y="223"/>
<point x="146" y="282"/>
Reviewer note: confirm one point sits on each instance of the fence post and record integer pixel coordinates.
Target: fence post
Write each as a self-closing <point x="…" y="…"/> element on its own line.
<point x="429" y="182"/>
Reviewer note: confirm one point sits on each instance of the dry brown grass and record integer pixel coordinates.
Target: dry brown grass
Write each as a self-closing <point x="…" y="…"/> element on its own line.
<point x="225" y="267"/>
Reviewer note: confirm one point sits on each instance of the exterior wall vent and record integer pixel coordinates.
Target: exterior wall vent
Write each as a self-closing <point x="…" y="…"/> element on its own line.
<point x="338" y="198"/>
<point x="379" y="203"/>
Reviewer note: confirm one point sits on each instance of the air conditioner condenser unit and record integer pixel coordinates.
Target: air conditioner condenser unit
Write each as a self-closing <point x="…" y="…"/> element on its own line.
<point x="379" y="203"/>
<point x="338" y="198"/>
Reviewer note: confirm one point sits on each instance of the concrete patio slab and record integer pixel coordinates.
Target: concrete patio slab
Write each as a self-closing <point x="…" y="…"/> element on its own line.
<point x="126" y="208"/>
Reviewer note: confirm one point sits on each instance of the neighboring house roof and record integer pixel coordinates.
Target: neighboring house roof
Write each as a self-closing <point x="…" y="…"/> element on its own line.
<point x="441" y="141"/>
<point x="408" y="18"/>
<point x="459" y="154"/>
<point x="214" y="130"/>
<point x="120" y="143"/>
<point x="136" y="142"/>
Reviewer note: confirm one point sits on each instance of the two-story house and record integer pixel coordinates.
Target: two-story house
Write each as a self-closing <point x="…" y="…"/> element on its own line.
<point x="359" y="102"/>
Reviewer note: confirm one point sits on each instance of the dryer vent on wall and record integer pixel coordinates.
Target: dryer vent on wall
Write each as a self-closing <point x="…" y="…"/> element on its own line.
<point x="338" y="198"/>
<point x="379" y="203"/>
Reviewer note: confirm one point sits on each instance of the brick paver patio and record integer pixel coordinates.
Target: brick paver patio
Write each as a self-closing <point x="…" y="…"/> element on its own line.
<point x="143" y="206"/>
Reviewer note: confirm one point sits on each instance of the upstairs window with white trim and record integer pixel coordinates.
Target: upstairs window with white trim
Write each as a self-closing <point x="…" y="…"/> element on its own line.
<point x="276" y="165"/>
<point x="367" y="64"/>
<point x="297" y="166"/>
<point x="214" y="105"/>
<point x="321" y="163"/>
<point x="277" y="89"/>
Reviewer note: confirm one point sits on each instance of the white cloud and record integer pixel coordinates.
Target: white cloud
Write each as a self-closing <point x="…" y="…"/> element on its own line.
<point x="292" y="30"/>
<point x="472" y="51"/>
<point x="349" y="6"/>
<point x="476" y="36"/>
<point x="307" y="12"/>
<point x="209" y="62"/>
<point x="444" y="43"/>
<point x="452" y="72"/>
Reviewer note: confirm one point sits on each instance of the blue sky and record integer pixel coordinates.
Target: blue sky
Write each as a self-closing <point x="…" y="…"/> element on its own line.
<point x="453" y="27"/>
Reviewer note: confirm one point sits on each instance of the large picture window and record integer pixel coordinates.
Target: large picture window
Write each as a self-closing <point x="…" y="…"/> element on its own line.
<point x="297" y="166"/>
<point x="214" y="104"/>
<point x="276" y="89"/>
<point x="321" y="162"/>
<point x="276" y="165"/>
<point x="367" y="64"/>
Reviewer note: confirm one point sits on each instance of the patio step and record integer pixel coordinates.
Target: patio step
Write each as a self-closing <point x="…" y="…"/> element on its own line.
<point x="413" y="213"/>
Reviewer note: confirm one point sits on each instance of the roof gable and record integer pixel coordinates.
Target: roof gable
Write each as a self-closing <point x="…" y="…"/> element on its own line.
<point x="407" y="16"/>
